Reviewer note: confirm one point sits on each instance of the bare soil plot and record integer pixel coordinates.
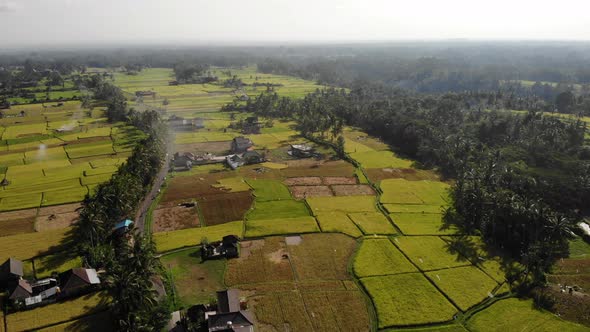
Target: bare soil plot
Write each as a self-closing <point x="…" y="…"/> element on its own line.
<point x="45" y="211"/>
<point x="17" y="226"/>
<point x="302" y="192"/>
<point x="322" y="256"/>
<point x="56" y="221"/>
<point x="174" y="218"/>
<point x="330" y="180"/>
<point x="352" y="190"/>
<point x="20" y="214"/>
<point x="303" y="181"/>
<point x="317" y="168"/>
<point x="265" y="262"/>
<point x="190" y="187"/>
<point x="222" y="208"/>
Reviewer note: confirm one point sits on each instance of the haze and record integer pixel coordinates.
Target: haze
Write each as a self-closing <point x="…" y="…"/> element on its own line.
<point x="51" y="22"/>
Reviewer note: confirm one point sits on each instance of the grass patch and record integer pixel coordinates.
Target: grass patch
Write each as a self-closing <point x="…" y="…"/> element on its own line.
<point x="269" y="190"/>
<point x="429" y="252"/>
<point x="186" y="267"/>
<point x="46" y="265"/>
<point x="519" y="315"/>
<point x="266" y="227"/>
<point x="377" y="257"/>
<point x="465" y="286"/>
<point x="380" y="159"/>
<point x="95" y="323"/>
<point x="57" y="312"/>
<point x="579" y="248"/>
<point x="372" y="223"/>
<point x="232" y="184"/>
<point x="407" y="299"/>
<point x="166" y="241"/>
<point x="338" y="222"/>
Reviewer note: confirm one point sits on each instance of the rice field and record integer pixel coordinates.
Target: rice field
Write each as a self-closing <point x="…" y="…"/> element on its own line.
<point x="407" y="299"/>
<point x="378" y="256"/>
<point x="338" y="222"/>
<point x="267" y="227"/>
<point x="190" y="237"/>
<point x="372" y="223"/>
<point x="429" y="252"/>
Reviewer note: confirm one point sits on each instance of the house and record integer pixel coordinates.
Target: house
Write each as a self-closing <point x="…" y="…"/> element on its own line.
<point x="241" y="144"/>
<point x="144" y="93"/>
<point x="229" y="315"/>
<point x="78" y="280"/>
<point x="20" y="292"/>
<point x="252" y="157"/>
<point x="234" y="161"/>
<point x="183" y="161"/>
<point x="251" y="126"/>
<point x="301" y="151"/>
<point x="228" y="247"/>
<point x="179" y="123"/>
<point x="11" y="272"/>
<point x="122" y="227"/>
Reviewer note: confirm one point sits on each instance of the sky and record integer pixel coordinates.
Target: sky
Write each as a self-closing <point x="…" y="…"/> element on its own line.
<point x="56" y="22"/>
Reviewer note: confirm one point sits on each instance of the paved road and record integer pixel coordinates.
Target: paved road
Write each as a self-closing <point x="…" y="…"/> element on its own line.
<point x="149" y="198"/>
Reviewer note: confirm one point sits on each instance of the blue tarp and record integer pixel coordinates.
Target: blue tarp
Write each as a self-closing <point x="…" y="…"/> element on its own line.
<point x="123" y="224"/>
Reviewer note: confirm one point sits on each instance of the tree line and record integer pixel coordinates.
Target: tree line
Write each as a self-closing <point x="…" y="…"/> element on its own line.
<point x="128" y="260"/>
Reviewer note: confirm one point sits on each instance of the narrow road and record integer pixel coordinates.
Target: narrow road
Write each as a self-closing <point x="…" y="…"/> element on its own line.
<point x="156" y="185"/>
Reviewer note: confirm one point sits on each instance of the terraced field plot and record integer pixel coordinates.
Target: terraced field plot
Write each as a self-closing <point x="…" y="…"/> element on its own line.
<point x="166" y="241"/>
<point x="338" y="222"/>
<point x="518" y="315"/>
<point x="407" y="299"/>
<point x="421" y="224"/>
<point x="465" y="286"/>
<point x="378" y="256"/>
<point x="429" y="252"/>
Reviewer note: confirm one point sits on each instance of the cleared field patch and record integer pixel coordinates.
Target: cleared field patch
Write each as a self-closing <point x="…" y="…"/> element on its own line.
<point x="342" y="203"/>
<point x="269" y="190"/>
<point x="288" y="208"/>
<point x="352" y="190"/>
<point x="310" y="167"/>
<point x="194" y="281"/>
<point x="338" y="222"/>
<point x="260" y="261"/>
<point x="421" y="224"/>
<point x="174" y="218"/>
<point x="380" y="159"/>
<point x="322" y="256"/>
<point x="465" y="286"/>
<point x="429" y="252"/>
<point x="57" y="312"/>
<point x="407" y="299"/>
<point x="519" y="315"/>
<point x="219" y="209"/>
<point x="379" y="174"/>
<point x="372" y="223"/>
<point x="17" y="226"/>
<point x="302" y="192"/>
<point x="166" y="241"/>
<point x="210" y="147"/>
<point x="401" y="191"/>
<point x="266" y="227"/>
<point x="304" y="181"/>
<point x="379" y="256"/>
<point x="55" y="221"/>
